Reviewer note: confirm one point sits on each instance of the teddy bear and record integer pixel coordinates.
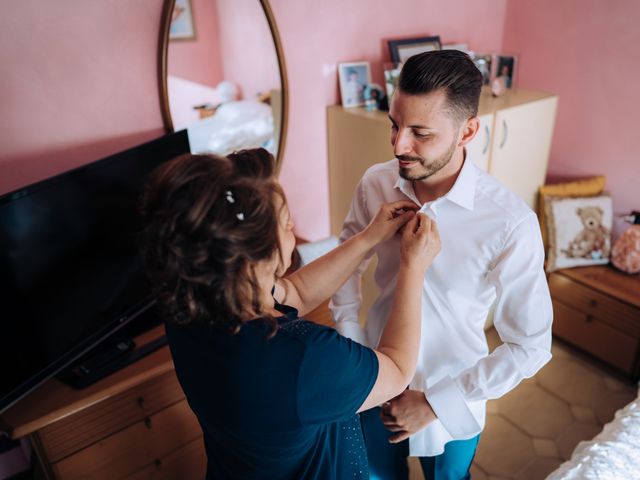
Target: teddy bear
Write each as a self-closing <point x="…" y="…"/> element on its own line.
<point x="593" y="241"/>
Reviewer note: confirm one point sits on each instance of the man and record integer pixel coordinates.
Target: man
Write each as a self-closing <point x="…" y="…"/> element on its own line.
<point x="492" y="255"/>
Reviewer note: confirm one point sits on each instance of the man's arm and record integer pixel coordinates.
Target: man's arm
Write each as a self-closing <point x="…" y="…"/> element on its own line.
<point x="345" y="303"/>
<point x="523" y="317"/>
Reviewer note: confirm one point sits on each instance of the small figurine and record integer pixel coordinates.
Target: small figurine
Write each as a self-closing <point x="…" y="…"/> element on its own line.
<point x="625" y="255"/>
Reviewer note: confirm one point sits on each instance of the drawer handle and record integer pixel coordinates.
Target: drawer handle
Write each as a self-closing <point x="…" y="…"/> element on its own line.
<point x="141" y="402"/>
<point x="590" y="319"/>
<point x="593" y="303"/>
<point x="147" y="423"/>
<point x="157" y="463"/>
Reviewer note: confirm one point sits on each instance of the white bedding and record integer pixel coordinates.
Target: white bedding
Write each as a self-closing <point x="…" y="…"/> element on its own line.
<point x="234" y="126"/>
<point x="613" y="454"/>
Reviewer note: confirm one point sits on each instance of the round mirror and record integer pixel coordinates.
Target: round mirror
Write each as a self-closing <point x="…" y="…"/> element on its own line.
<point x="222" y="75"/>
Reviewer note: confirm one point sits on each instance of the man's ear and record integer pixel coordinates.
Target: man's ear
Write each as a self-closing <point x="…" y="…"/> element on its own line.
<point x="469" y="130"/>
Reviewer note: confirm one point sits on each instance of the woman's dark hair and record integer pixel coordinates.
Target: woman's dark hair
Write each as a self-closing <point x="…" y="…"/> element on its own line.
<point x="207" y="221"/>
<point x="450" y="70"/>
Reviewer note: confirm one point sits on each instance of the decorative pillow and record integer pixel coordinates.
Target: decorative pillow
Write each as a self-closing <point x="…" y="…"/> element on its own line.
<point x="579" y="231"/>
<point x="579" y="188"/>
<point x="625" y="254"/>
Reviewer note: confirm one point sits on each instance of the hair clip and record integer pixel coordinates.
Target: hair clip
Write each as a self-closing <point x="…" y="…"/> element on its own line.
<point x="230" y="198"/>
<point x="240" y="216"/>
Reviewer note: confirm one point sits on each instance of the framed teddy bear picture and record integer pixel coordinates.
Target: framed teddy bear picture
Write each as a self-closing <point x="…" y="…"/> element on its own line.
<point x="579" y="231"/>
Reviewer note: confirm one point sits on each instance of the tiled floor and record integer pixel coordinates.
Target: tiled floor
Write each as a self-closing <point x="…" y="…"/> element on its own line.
<point x="534" y="428"/>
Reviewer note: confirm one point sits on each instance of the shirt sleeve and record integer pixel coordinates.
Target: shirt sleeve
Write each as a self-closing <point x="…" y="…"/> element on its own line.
<point x="345" y="303"/>
<point x="336" y="376"/>
<point x="523" y="317"/>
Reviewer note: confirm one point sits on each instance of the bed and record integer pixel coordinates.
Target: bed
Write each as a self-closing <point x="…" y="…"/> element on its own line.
<point x="613" y="454"/>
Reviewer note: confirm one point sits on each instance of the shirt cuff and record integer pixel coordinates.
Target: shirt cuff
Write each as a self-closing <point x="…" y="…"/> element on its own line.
<point x="352" y="330"/>
<point x="452" y="410"/>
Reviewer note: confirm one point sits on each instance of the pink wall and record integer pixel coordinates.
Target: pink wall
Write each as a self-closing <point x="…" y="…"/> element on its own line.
<point x="317" y="35"/>
<point x="199" y="60"/>
<point x="249" y="58"/>
<point x="586" y="51"/>
<point x="79" y="80"/>
<point x="78" y="83"/>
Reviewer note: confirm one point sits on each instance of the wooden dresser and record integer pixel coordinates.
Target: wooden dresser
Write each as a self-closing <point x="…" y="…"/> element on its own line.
<point x="133" y="424"/>
<point x="598" y="310"/>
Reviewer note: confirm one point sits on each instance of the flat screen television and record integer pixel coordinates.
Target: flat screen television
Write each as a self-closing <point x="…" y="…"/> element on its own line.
<point x="70" y="270"/>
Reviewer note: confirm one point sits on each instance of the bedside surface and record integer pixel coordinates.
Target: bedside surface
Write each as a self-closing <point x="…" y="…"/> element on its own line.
<point x="608" y="280"/>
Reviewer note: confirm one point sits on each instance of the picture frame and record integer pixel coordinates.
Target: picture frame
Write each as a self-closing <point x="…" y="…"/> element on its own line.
<point x="182" y="26"/>
<point x="505" y="69"/>
<point x="484" y="63"/>
<point x="391" y="77"/>
<point x="353" y="78"/>
<point x="401" y="50"/>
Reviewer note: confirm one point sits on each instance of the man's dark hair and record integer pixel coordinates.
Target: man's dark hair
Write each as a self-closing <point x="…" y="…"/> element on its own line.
<point x="450" y="70"/>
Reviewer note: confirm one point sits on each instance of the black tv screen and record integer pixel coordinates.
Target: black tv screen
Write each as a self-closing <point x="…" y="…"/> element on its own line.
<point x="70" y="269"/>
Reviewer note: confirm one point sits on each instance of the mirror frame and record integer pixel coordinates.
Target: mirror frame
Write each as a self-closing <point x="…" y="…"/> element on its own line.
<point x="163" y="47"/>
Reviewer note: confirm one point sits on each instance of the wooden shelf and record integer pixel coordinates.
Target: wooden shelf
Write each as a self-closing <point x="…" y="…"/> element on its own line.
<point x="55" y="400"/>
<point x="607" y="279"/>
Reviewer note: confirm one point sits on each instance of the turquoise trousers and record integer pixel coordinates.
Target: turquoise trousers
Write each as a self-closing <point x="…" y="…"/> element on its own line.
<point x="389" y="461"/>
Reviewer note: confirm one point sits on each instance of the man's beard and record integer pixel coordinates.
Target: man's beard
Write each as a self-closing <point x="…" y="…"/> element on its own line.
<point x="428" y="170"/>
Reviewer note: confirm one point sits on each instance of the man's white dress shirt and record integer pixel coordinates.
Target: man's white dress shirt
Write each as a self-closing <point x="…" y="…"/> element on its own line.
<point x="491" y="252"/>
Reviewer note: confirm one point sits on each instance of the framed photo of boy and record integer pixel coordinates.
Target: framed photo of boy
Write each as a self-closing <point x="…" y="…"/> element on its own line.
<point x="181" y="27"/>
<point x="401" y="50"/>
<point x="353" y="77"/>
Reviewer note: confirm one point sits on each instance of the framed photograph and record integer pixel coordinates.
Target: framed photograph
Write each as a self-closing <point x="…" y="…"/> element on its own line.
<point x="483" y="61"/>
<point x="401" y="50"/>
<point x="354" y="78"/>
<point x="504" y="69"/>
<point x="182" y="21"/>
<point x="391" y="76"/>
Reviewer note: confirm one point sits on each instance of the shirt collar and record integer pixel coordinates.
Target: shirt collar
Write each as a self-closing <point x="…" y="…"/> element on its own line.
<point x="462" y="193"/>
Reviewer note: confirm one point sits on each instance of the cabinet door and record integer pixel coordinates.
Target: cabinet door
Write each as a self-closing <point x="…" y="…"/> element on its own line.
<point x="520" y="147"/>
<point x="479" y="148"/>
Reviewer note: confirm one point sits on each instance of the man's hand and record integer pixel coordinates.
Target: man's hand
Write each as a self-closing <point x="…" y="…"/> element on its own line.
<point x="406" y="414"/>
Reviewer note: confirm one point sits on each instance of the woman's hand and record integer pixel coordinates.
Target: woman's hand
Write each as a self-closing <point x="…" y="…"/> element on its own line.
<point x="389" y="219"/>
<point x="420" y="242"/>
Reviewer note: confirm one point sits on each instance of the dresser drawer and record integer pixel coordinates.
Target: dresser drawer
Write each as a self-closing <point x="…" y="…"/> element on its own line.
<point x="134" y="447"/>
<point x="99" y="421"/>
<point x="619" y="315"/>
<point x="595" y="336"/>
<point x="189" y="462"/>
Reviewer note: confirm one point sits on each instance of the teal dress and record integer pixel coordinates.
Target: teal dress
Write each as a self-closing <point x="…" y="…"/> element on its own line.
<point x="279" y="408"/>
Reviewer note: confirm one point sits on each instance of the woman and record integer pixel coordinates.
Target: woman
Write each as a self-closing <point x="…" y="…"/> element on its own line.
<point x="276" y="395"/>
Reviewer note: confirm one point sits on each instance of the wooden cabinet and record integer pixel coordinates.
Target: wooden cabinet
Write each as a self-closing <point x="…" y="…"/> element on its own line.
<point x="512" y="144"/>
<point x="598" y="310"/>
<point x="480" y="147"/>
<point x="134" y="424"/>
<point x="520" y="146"/>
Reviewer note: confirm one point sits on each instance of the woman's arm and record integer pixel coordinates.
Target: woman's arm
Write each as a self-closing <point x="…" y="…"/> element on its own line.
<point x="309" y="286"/>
